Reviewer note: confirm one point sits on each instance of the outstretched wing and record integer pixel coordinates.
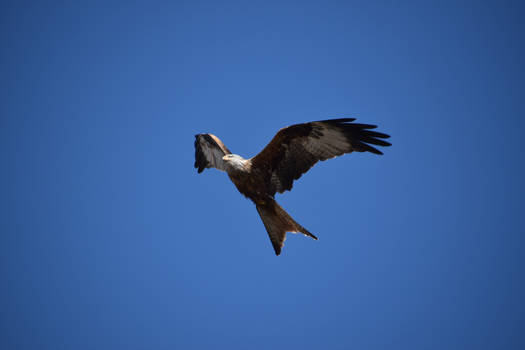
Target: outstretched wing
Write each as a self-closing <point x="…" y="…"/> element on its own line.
<point x="295" y="149"/>
<point x="209" y="151"/>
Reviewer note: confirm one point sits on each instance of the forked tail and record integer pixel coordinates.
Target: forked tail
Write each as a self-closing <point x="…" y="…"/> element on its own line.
<point x="278" y="222"/>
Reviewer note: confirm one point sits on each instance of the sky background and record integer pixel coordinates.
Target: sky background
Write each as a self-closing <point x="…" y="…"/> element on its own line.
<point x="111" y="240"/>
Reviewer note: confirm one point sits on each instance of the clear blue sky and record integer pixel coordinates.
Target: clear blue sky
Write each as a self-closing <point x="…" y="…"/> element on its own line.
<point x="110" y="240"/>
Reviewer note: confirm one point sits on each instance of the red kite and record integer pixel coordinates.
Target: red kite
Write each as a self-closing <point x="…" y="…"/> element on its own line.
<point x="291" y="153"/>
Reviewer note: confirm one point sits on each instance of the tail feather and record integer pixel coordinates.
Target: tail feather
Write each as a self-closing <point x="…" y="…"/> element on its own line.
<point x="277" y="222"/>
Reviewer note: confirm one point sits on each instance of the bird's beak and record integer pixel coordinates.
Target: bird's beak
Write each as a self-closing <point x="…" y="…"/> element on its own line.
<point x="224" y="158"/>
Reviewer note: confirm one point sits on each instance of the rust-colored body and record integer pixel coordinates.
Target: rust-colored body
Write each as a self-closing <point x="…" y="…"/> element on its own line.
<point x="291" y="153"/>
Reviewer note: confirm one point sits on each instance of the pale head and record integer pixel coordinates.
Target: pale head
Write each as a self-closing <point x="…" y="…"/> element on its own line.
<point x="234" y="161"/>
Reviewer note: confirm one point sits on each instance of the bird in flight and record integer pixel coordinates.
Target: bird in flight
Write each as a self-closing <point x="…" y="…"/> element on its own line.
<point x="291" y="153"/>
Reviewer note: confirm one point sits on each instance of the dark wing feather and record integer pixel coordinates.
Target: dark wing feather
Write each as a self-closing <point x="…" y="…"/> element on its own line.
<point x="209" y="151"/>
<point x="295" y="149"/>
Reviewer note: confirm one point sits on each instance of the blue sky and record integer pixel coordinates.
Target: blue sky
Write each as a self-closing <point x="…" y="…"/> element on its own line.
<point x="110" y="239"/>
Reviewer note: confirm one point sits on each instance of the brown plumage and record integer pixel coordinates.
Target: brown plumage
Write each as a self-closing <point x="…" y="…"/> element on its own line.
<point x="291" y="153"/>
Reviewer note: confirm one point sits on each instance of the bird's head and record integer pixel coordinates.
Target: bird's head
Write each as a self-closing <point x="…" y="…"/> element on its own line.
<point x="235" y="161"/>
